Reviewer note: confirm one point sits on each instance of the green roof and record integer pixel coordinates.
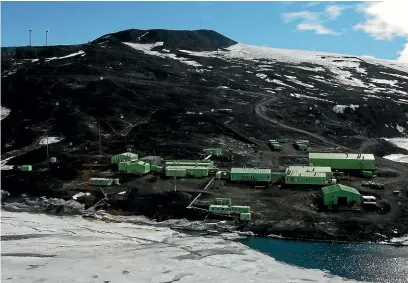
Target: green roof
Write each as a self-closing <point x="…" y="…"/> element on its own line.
<point x="339" y="187"/>
<point x="250" y="170"/>
<point x="331" y="155"/>
<point x="309" y="169"/>
<point x="219" y="206"/>
<point x="306" y="174"/>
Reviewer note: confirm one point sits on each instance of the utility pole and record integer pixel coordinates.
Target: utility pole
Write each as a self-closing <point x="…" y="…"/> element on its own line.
<point x="48" y="155"/>
<point x="175" y="188"/>
<point x="46" y="37"/>
<point x="100" y="143"/>
<point x="29" y="37"/>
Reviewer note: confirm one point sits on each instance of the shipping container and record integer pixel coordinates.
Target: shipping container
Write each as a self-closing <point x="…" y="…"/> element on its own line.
<point x="367" y="174"/>
<point x="138" y="167"/>
<point x="283" y="140"/>
<point x="300" y="146"/>
<point x="240" y="209"/>
<point x="153" y="168"/>
<point x="245" y="216"/>
<point x="250" y="174"/>
<point x="305" y="178"/>
<point x="343" y="161"/>
<point x="123" y="166"/>
<point x="26" y="168"/>
<point x="306" y="142"/>
<point x="223" y="201"/>
<point x="160" y="169"/>
<point x="127" y="156"/>
<point x="103" y="182"/>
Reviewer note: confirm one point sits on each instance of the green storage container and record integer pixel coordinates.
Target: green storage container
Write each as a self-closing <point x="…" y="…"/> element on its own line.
<point x="343" y="161"/>
<point x="223" y="201"/>
<point x="219" y="209"/>
<point x="320" y="169"/>
<point x="153" y="168"/>
<point x="367" y="174"/>
<point x="127" y="156"/>
<point x="278" y="176"/>
<point x="26" y="168"/>
<point x="123" y="166"/>
<point x="283" y="140"/>
<point x="159" y="169"/>
<point x="250" y="174"/>
<point x="202" y="163"/>
<point x="240" y="209"/>
<point x="102" y="182"/>
<point x="139" y="167"/>
<point x="245" y="216"/>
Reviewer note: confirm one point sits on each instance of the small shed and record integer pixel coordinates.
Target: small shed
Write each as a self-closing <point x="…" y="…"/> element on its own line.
<point x="340" y="195"/>
<point x="127" y="156"/>
<point x="139" y="167"/>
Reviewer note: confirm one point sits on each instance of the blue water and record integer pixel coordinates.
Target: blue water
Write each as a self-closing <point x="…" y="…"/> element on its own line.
<point x="365" y="262"/>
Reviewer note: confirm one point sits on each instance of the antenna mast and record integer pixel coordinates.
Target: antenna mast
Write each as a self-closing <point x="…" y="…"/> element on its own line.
<point x="46" y="37"/>
<point x="100" y="143"/>
<point x="29" y="37"/>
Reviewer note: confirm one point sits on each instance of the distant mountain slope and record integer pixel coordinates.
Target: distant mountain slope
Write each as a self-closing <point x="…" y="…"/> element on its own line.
<point x="147" y="84"/>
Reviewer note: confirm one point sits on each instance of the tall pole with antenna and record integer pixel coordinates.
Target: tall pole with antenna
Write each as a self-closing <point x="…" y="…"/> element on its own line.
<point x="48" y="155"/>
<point x="100" y="143"/>
<point x="29" y="37"/>
<point x="175" y="187"/>
<point x="46" y="37"/>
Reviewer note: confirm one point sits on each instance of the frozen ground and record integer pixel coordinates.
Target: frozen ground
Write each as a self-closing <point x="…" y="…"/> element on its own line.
<point x="41" y="248"/>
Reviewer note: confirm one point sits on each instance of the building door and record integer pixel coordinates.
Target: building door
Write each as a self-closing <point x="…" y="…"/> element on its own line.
<point x="342" y="201"/>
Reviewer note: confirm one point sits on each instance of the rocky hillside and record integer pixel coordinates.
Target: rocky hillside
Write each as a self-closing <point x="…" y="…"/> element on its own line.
<point x="155" y="89"/>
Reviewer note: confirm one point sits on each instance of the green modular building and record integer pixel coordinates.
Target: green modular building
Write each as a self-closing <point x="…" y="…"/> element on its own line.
<point x="152" y="160"/>
<point x="172" y="171"/>
<point x="278" y="177"/>
<point x="138" y="167"/>
<point x="223" y="201"/>
<point x="240" y="209"/>
<point x="127" y="156"/>
<point x="343" y="161"/>
<point x="103" y="182"/>
<point x="123" y="166"/>
<point x="274" y="145"/>
<point x="187" y="171"/>
<point x="250" y="174"/>
<point x="26" y="168"/>
<point x="213" y="151"/>
<point x="206" y="163"/>
<point x="320" y="169"/>
<point x="219" y="209"/>
<point x="340" y="195"/>
<point x="306" y="178"/>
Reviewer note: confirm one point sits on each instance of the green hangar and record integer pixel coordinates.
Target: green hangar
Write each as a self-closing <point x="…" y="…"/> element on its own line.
<point x="343" y="161"/>
<point x="340" y="195"/>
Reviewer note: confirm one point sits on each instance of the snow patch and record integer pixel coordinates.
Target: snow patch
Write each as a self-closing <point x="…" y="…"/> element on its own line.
<point x="395" y="75"/>
<point x="261" y="76"/>
<point x="80" y="52"/>
<point x="80" y="194"/>
<point x="387" y="82"/>
<point x="294" y="79"/>
<point x="146" y="48"/>
<point x="50" y="140"/>
<point x="339" y="109"/>
<point x="297" y="95"/>
<point x="4" y="162"/>
<point x="4" y="112"/>
<point x="400" y="129"/>
<point x="402" y="143"/>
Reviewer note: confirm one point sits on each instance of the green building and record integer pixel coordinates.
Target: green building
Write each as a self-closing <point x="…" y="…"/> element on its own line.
<point x="250" y="174"/>
<point x="320" y="169"/>
<point x="187" y="171"/>
<point x="206" y="163"/>
<point x="26" y="168"/>
<point x="305" y="178"/>
<point x="127" y="156"/>
<point x="274" y="145"/>
<point x="138" y="167"/>
<point x="103" y="182"/>
<point x="152" y="160"/>
<point x="340" y="195"/>
<point x="278" y="177"/>
<point x="345" y="161"/>
<point x="223" y="201"/>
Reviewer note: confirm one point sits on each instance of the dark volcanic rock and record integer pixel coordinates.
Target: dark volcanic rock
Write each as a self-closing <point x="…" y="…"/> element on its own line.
<point x="197" y="40"/>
